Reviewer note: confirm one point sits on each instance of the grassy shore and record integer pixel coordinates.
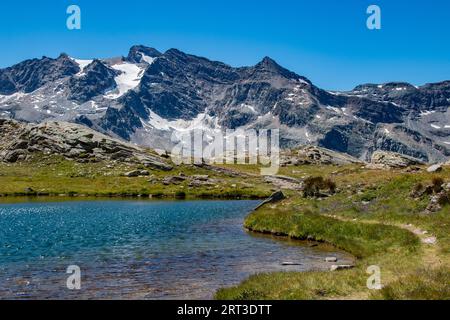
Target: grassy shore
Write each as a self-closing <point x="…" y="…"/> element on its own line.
<point x="373" y="217"/>
<point x="56" y="176"/>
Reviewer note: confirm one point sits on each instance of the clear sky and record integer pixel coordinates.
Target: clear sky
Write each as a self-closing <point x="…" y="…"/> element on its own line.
<point x="324" y="40"/>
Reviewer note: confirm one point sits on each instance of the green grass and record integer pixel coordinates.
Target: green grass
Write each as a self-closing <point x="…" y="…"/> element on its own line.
<point x="368" y="218"/>
<point x="50" y="176"/>
<point x="424" y="284"/>
<point x="360" y="239"/>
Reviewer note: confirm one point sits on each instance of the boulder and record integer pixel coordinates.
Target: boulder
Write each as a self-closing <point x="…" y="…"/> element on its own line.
<point x="290" y="263"/>
<point x="430" y="240"/>
<point x="337" y="267"/>
<point x="133" y="174"/>
<point x="173" y="180"/>
<point x="200" y="177"/>
<point x="275" y="197"/>
<point x="392" y="160"/>
<point x="137" y="173"/>
<point x="315" y="155"/>
<point x="435" y="168"/>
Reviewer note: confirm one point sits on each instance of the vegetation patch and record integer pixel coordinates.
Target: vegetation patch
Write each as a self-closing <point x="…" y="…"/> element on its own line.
<point x="372" y="216"/>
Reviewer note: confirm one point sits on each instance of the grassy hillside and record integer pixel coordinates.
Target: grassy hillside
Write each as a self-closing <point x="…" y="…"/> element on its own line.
<point x="372" y="216"/>
<point x="54" y="175"/>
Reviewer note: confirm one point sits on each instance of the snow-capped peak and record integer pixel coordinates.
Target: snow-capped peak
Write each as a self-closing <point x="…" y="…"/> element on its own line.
<point x="129" y="78"/>
<point x="147" y="59"/>
<point x="82" y="63"/>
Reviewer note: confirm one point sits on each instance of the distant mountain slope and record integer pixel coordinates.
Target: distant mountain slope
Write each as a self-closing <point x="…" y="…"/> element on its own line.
<point x="147" y="96"/>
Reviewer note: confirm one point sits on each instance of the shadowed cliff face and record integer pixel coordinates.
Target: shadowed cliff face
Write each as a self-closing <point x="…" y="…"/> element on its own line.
<point x="148" y="95"/>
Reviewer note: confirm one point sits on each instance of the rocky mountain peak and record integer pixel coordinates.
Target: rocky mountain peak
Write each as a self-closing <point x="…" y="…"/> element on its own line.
<point x="268" y="63"/>
<point x="147" y="96"/>
<point x="269" y="67"/>
<point x="30" y="75"/>
<point x="95" y="79"/>
<point x="139" y="53"/>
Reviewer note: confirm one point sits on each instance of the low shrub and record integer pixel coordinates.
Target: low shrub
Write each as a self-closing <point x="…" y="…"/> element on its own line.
<point x="437" y="183"/>
<point x="314" y="185"/>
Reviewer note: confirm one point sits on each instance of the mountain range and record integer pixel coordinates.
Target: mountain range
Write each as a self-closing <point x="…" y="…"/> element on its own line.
<point x="148" y="97"/>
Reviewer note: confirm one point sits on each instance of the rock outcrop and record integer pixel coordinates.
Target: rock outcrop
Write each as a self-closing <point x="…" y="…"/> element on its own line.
<point x="316" y="155"/>
<point x="392" y="160"/>
<point x="18" y="141"/>
<point x="275" y="197"/>
<point x="435" y="168"/>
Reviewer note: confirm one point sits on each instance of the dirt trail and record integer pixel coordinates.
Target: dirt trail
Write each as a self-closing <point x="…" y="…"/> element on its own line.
<point x="423" y="235"/>
<point x="428" y="241"/>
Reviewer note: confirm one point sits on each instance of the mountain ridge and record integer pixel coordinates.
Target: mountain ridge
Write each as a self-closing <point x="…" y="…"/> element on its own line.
<point x="148" y="96"/>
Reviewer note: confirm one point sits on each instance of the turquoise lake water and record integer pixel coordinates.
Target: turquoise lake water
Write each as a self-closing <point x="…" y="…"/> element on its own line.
<point x="137" y="249"/>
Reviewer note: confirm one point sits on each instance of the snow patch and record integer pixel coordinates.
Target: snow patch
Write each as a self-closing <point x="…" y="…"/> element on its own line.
<point x="129" y="79"/>
<point x="82" y="64"/>
<point x="426" y="113"/>
<point x="435" y="126"/>
<point x="147" y="59"/>
<point x="243" y="105"/>
<point x="202" y="122"/>
<point x="337" y="110"/>
<point x="14" y="96"/>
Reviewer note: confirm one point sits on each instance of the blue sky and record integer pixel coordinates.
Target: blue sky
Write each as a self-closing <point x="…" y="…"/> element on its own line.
<point x="324" y="40"/>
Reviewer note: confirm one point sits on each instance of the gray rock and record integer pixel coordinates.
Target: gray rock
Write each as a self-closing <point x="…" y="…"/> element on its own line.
<point x="137" y="173"/>
<point x="290" y="263"/>
<point x="331" y="259"/>
<point x="274" y="198"/>
<point x="392" y="160"/>
<point x="430" y="240"/>
<point x="435" y="168"/>
<point x="173" y="180"/>
<point x="200" y="177"/>
<point x="133" y="174"/>
<point x="437" y="201"/>
<point x="316" y="155"/>
<point x="337" y="267"/>
<point x="95" y="80"/>
<point x="14" y="155"/>
<point x="70" y="140"/>
<point x="283" y="182"/>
